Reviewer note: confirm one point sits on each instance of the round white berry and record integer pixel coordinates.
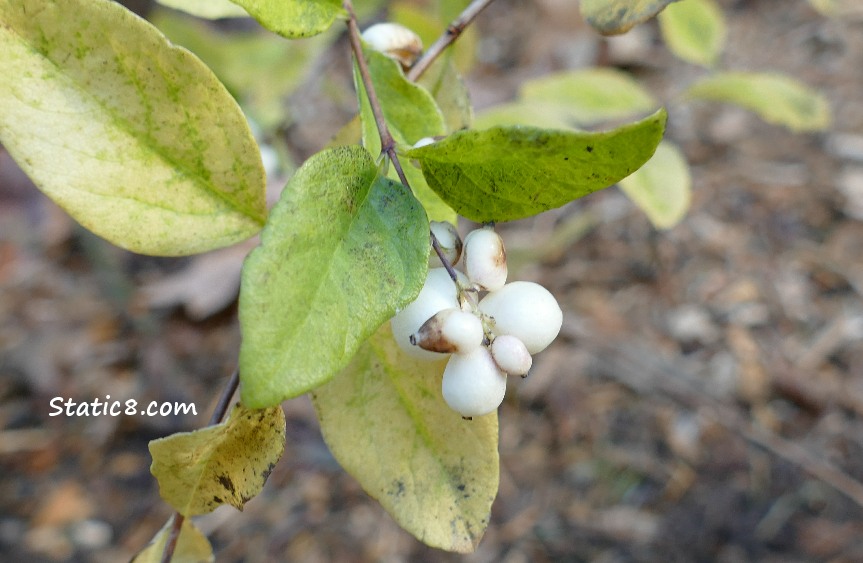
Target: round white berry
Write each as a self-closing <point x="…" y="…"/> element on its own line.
<point x="525" y="310"/>
<point x="395" y="41"/>
<point x="485" y="259"/>
<point x="438" y="293"/>
<point x="473" y="385"/>
<point x="511" y="355"/>
<point x="450" y="243"/>
<point x="450" y="331"/>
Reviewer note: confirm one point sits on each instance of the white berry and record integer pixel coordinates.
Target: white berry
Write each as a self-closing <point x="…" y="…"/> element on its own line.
<point x="472" y="383"/>
<point x="525" y="310"/>
<point x="450" y="243"/>
<point x="438" y="293"/>
<point x="511" y="355"/>
<point x="485" y="259"/>
<point x="395" y="41"/>
<point x="450" y="331"/>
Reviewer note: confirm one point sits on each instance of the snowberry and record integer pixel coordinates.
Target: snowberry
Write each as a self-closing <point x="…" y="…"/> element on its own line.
<point x="438" y="293"/>
<point x="525" y="310"/>
<point x="450" y="330"/>
<point x="450" y="243"/>
<point x="485" y="259"/>
<point x="395" y="41"/>
<point x="473" y="385"/>
<point x="511" y="355"/>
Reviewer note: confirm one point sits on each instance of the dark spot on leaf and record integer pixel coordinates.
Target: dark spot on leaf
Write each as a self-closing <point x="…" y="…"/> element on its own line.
<point x="217" y="500"/>
<point x="226" y="483"/>
<point x="589" y="148"/>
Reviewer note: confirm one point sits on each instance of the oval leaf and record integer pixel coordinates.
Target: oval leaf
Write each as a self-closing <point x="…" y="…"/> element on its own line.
<point x="613" y="17"/>
<point x="209" y="9"/>
<point x="508" y="173"/>
<point x="386" y="423"/>
<point x="776" y="98"/>
<point x="192" y="546"/>
<point x="134" y="137"/>
<point x="409" y="110"/>
<point x="223" y="464"/>
<point x="662" y="188"/>
<point x="294" y="18"/>
<point x="411" y="114"/>
<point x="588" y="96"/>
<point x="694" y="31"/>
<point x="343" y="250"/>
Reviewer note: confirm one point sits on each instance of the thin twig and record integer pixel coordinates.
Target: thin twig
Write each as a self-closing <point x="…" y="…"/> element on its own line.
<point x="453" y="31"/>
<point x="218" y="414"/>
<point x="388" y="145"/>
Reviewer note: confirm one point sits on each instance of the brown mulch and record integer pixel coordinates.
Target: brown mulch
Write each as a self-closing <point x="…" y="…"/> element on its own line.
<point x="703" y="403"/>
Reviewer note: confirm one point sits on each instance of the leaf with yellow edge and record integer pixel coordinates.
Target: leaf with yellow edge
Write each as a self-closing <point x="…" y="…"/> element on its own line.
<point x="613" y="17"/>
<point x="694" y="31"/>
<point x="386" y="423"/>
<point x="662" y="188"/>
<point x="776" y="98"/>
<point x="134" y="137"/>
<point x="223" y="464"/>
<point x="192" y="546"/>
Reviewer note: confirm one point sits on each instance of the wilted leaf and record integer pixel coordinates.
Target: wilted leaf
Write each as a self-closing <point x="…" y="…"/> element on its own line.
<point x="508" y="173"/>
<point x="386" y="423"/>
<point x="294" y="18"/>
<point x="694" y="30"/>
<point x="134" y="137"/>
<point x="613" y="17"/>
<point x="223" y="464"/>
<point x="776" y="98"/>
<point x="210" y="9"/>
<point x="588" y="96"/>
<point x="343" y="250"/>
<point x="192" y="546"/>
<point x="662" y="188"/>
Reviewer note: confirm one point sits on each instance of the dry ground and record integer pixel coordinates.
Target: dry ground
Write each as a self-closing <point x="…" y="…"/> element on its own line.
<point x="704" y="402"/>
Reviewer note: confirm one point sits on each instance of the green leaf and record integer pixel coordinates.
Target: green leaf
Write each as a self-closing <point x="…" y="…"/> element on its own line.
<point x="776" y="98"/>
<point x="411" y="114"/>
<point x="192" y="546"/>
<point x="386" y="423"/>
<point x="223" y="464"/>
<point x="524" y="113"/>
<point x="343" y="250"/>
<point x="294" y="18"/>
<point x="508" y="173"/>
<point x="589" y="96"/>
<point x="445" y="84"/>
<point x="134" y="137"/>
<point x="209" y="9"/>
<point x="662" y="188"/>
<point x="613" y="17"/>
<point x="694" y="30"/>
<point x="259" y="68"/>
<point x="409" y="110"/>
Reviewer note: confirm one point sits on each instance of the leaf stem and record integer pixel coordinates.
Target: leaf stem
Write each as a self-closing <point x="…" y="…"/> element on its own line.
<point x="218" y="414"/>
<point x="452" y="32"/>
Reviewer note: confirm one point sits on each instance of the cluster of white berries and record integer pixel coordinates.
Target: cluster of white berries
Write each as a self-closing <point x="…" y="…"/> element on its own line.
<point x="489" y="327"/>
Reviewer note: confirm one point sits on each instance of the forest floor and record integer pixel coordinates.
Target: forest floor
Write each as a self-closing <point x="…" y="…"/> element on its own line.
<point x="703" y="403"/>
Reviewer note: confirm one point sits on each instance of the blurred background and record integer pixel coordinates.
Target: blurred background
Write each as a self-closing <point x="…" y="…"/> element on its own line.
<point x="704" y="401"/>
